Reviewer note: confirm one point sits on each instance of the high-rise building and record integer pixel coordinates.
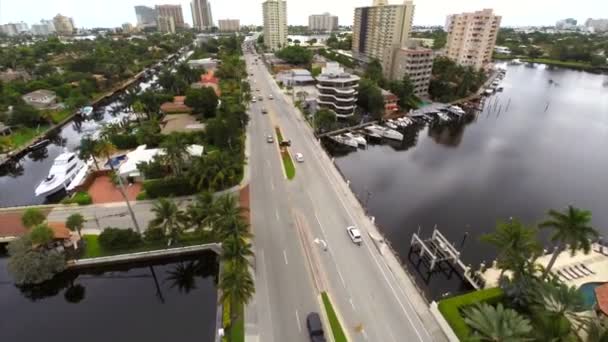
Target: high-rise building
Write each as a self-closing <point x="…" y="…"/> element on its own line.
<point x="414" y="61"/>
<point x="64" y="26"/>
<point x="229" y="25"/>
<point x="381" y="28"/>
<point x="127" y="28"/>
<point x="146" y="17"/>
<point x="472" y="37"/>
<point x="173" y="11"/>
<point x="275" y="24"/>
<point x="166" y="24"/>
<point x="597" y="25"/>
<point x="201" y="14"/>
<point x="566" y="24"/>
<point x="337" y="90"/>
<point x="322" y="22"/>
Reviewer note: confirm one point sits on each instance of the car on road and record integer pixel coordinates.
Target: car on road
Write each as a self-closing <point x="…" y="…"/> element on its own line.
<point x="315" y="328"/>
<point x="260" y="98"/>
<point x="355" y="234"/>
<point x="257" y="89"/>
<point x="253" y="100"/>
<point x="264" y="111"/>
<point x="270" y="97"/>
<point x="299" y="157"/>
<point x="285" y="143"/>
<point x="269" y="139"/>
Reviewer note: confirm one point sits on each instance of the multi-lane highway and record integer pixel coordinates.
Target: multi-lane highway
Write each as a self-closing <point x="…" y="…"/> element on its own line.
<point x="287" y="216"/>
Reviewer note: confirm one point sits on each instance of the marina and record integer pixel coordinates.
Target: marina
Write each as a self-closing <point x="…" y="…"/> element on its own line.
<point x="449" y="174"/>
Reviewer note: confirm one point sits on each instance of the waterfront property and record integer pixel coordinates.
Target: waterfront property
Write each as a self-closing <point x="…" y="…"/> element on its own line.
<point x="337" y="90"/>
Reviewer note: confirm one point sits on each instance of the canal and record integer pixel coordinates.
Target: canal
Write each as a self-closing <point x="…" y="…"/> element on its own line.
<point x="539" y="144"/>
<point x="173" y="300"/>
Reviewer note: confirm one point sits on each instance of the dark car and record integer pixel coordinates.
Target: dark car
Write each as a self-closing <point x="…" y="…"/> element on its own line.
<point x="315" y="328"/>
<point x="285" y="143"/>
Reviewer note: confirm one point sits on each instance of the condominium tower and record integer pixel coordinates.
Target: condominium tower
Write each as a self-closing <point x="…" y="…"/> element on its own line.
<point x="146" y="17"/>
<point x="381" y="28"/>
<point x="322" y="22"/>
<point x="472" y="37"/>
<point x="171" y="11"/>
<point x="64" y="26"/>
<point x="337" y="90"/>
<point x="229" y="25"/>
<point x="275" y="24"/>
<point x="414" y="61"/>
<point x="201" y="14"/>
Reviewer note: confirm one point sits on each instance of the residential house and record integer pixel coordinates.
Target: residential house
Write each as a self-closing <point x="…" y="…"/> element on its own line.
<point x="41" y="99"/>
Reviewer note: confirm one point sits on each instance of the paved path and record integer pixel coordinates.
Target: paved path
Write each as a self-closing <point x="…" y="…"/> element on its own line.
<point x="375" y="299"/>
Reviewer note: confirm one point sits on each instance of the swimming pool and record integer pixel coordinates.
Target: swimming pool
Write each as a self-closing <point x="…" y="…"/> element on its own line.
<point x="588" y="292"/>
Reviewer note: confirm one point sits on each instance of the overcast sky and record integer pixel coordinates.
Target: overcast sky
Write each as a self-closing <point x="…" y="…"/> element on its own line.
<point x="111" y="13"/>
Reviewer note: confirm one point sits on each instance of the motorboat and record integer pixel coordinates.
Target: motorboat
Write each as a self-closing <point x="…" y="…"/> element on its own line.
<point x="40" y="144"/>
<point x="443" y="116"/>
<point x="371" y="134"/>
<point x="385" y="132"/>
<point x="390" y="124"/>
<point x="405" y="122"/>
<point x="456" y="110"/>
<point x="340" y="139"/>
<point x="63" y="171"/>
<point x="516" y="61"/>
<point x="350" y="141"/>
<point x="357" y="137"/>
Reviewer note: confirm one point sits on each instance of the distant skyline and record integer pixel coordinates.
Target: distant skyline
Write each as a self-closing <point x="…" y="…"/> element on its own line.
<point x="113" y="13"/>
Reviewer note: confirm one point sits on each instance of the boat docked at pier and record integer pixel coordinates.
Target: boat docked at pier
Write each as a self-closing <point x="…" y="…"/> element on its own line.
<point x="63" y="171"/>
<point x="385" y="132"/>
<point x="86" y="112"/>
<point x="357" y="137"/>
<point x="344" y="140"/>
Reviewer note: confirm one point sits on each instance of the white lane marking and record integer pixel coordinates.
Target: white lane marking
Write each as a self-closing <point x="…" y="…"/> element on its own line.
<point x="272" y="184"/>
<point x="341" y="278"/>
<point x="298" y="320"/>
<point x="267" y="162"/>
<point x="264" y="270"/>
<point x="276" y="213"/>
<point x="352" y="304"/>
<point x="285" y="257"/>
<point x="319" y="222"/>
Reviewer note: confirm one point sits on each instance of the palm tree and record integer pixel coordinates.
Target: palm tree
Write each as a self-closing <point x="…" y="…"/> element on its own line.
<point x="237" y="286"/>
<point x="228" y="218"/>
<point x="236" y="250"/>
<point x="168" y="217"/>
<point x="516" y="244"/>
<point x="497" y="323"/>
<point x="87" y="150"/>
<point x="200" y="212"/>
<point x="572" y="228"/>
<point x="175" y="153"/>
<point x="560" y="299"/>
<point x="105" y="149"/>
<point x="75" y="222"/>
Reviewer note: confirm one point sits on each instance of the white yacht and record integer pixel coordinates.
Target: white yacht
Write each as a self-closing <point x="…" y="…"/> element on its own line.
<point x="443" y="116"/>
<point x="357" y="137"/>
<point x="340" y="139"/>
<point x="65" y="168"/>
<point x="390" y="124"/>
<point x="456" y="110"/>
<point x="385" y="132"/>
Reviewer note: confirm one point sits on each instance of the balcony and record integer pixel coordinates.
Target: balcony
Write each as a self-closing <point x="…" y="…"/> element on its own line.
<point x="330" y="97"/>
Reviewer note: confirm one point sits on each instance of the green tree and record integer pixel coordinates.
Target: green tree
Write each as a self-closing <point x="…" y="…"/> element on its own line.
<point x="75" y="222"/>
<point x="32" y="266"/>
<point x="32" y="217"/>
<point x="497" y="324"/>
<point x="169" y="218"/>
<point x="370" y="98"/>
<point x="404" y="90"/>
<point x="200" y="212"/>
<point x="203" y="101"/>
<point x="236" y="250"/>
<point x="41" y="235"/>
<point x="373" y="72"/>
<point x="237" y="286"/>
<point x="24" y="115"/>
<point x="571" y="227"/>
<point x="325" y="120"/>
<point x="105" y="149"/>
<point x="175" y="153"/>
<point x="295" y="55"/>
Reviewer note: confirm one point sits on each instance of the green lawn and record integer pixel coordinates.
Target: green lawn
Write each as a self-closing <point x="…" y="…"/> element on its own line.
<point x="59" y="116"/>
<point x="94" y="250"/>
<point x="290" y="169"/>
<point x="279" y="135"/>
<point x="24" y="135"/>
<point x="336" y="328"/>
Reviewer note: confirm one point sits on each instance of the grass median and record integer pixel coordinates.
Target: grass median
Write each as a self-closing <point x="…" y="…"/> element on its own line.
<point x="290" y="168"/>
<point x="336" y="327"/>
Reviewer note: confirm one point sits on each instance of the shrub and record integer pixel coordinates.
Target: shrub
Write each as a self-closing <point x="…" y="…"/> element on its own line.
<point x="124" y="141"/>
<point x="154" y="235"/>
<point x="168" y="187"/>
<point x="116" y="238"/>
<point x="80" y="198"/>
<point x="41" y="235"/>
<point x="32" y="217"/>
<point x="226" y="314"/>
<point x="141" y="196"/>
<point x="32" y="266"/>
<point x="451" y="308"/>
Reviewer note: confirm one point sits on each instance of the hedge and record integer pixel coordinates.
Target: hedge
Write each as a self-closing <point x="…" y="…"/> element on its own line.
<point x="80" y="198"/>
<point x="451" y="308"/>
<point x="117" y="239"/>
<point x="124" y="141"/>
<point x="168" y="187"/>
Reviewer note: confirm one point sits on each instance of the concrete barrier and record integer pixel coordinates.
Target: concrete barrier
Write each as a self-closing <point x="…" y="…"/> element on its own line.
<point x="443" y="324"/>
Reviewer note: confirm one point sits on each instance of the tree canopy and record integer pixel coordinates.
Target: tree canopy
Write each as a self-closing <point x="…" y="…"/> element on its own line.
<point x="203" y="101"/>
<point x="295" y="55"/>
<point x="370" y="98"/>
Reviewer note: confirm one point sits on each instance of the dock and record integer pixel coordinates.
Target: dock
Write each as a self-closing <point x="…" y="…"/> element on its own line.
<point x="347" y="129"/>
<point x="437" y="249"/>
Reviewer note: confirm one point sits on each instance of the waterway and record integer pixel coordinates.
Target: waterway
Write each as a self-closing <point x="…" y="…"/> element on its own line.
<point x="539" y="144"/>
<point x="173" y="300"/>
<point x="18" y="181"/>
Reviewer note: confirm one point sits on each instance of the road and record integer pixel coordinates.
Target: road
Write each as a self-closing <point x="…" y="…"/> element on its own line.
<point x="372" y="304"/>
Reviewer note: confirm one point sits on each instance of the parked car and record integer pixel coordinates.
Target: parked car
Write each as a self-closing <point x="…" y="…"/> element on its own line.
<point x="315" y="328"/>
<point x="299" y="157"/>
<point x="253" y="100"/>
<point x="354" y="234"/>
<point x="269" y="139"/>
<point x="260" y="98"/>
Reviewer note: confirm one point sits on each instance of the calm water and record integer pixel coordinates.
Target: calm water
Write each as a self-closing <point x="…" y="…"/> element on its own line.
<point x="143" y="302"/>
<point x="537" y="145"/>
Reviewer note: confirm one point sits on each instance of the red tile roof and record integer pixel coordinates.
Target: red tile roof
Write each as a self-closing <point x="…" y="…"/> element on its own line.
<point x="60" y="231"/>
<point x="601" y="294"/>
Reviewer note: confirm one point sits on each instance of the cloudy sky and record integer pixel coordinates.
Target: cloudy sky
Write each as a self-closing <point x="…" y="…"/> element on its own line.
<point x="110" y="13"/>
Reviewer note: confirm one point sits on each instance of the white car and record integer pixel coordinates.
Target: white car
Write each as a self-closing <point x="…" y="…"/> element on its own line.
<point x="299" y="157"/>
<point x="270" y="97"/>
<point x="354" y="234"/>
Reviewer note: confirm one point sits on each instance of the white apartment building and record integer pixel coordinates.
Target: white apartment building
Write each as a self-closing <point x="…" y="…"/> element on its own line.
<point x="275" y="24"/>
<point x="417" y="63"/>
<point x="323" y="22"/>
<point x="229" y="25"/>
<point x="64" y="26"/>
<point x="381" y="28"/>
<point x="202" y="18"/>
<point x="472" y="37"/>
<point x="337" y="90"/>
<point x="597" y="25"/>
